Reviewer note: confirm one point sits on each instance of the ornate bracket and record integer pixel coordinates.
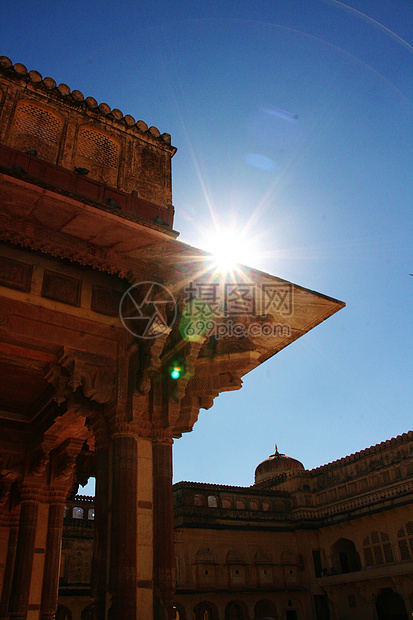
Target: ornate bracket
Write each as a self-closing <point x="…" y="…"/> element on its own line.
<point x="95" y="374"/>
<point x="150" y="361"/>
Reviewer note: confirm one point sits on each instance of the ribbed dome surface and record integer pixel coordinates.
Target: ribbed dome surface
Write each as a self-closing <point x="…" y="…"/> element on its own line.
<point x="275" y="465"/>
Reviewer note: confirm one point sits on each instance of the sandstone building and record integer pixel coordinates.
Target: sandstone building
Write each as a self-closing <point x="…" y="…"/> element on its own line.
<point x="100" y="364"/>
<point x="334" y="542"/>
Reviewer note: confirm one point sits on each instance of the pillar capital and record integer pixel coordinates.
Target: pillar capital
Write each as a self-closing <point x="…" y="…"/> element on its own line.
<point x="32" y="490"/>
<point x="162" y="440"/>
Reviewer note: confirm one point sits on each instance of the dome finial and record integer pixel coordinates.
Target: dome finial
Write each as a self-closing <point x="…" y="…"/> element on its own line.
<point x="276" y="449"/>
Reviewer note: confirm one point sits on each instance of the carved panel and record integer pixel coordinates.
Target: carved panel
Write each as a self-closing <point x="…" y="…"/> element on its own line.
<point x="38" y="128"/>
<point x="99" y="153"/>
<point x="61" y="288"/>
<point x="106" y="300"/>
<point x="15" y="274"/>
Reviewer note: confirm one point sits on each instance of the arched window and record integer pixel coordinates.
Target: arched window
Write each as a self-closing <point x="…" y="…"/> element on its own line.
<point x="63" y="613"/>
<point x="212" y="501"/>
<point x="77" y="512"/>
<point x="390" y="605"/>
<point x="88" y="613"/>
<point x="98" y="152"/>
<point x="377" y="549"/>
<point x="236" y="611"/>
<point x="91" y="514"/>
<point x="198" y="500"/>
<point x="345" y="557"/>
<point x="405" y="541"/>
<point x="38" y="128"/>
<point x="205" y="611"/>
<point x="179" y="612"/>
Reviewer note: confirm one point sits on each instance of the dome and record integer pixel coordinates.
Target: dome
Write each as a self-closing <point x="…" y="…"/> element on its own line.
<point x="275" y="465"/>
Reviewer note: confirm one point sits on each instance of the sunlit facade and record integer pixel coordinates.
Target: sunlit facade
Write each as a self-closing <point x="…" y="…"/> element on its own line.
<point x="329" y="543"/>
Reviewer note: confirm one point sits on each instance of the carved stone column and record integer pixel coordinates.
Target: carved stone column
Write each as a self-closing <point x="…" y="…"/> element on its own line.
<point x="9" y="566"/>
<point x="22" y="577"/>
<point x="163" y="529"/>
<point x="100" y="542"/>
<point x="123" y="536"/>
<point x="52" y="561"/>
<point x="62" y="465"/>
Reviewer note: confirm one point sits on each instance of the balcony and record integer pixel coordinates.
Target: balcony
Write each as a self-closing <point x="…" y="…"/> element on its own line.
<point x="84" y="189"/>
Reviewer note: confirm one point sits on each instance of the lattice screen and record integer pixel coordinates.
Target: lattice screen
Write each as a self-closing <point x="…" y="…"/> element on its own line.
<point x="37" y="128"/>
<point x="405" y="540"/>
<point x="100" y="151"/>
<point x="377" y="549"/>
<point x="37" y="122"/>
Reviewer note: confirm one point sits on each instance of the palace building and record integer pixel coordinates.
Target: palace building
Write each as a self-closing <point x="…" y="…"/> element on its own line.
<point x="334" y="542"/>
<point x="101" y="366"/>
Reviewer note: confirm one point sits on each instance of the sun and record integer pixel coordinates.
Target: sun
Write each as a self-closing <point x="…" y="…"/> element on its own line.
<point x="229" y="249"/>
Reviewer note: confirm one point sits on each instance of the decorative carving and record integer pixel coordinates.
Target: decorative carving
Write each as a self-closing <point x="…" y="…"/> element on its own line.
<point x="15" y="274"/>
<point x="20" y="232"/>
<point x="64" y="466"/>
<point x="61" y="288"/>
<point x="106" y="301"/>
<point x="95" y="374"/>
<point x="189" y="354"/>
<point x="38" y="463"/>
<point x="212" y="376"/>
<point x="150" y="352"/>
<point x="59" y="381"/>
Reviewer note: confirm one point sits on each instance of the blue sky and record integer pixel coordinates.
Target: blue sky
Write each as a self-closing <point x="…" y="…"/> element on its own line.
<point x="293" y="121"/>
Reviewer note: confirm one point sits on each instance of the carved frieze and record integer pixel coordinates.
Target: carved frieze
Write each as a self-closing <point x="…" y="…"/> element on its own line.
<point x="26" y="234"/>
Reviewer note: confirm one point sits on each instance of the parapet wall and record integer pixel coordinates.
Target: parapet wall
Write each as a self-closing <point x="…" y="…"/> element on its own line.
<point x="66" y="129"/>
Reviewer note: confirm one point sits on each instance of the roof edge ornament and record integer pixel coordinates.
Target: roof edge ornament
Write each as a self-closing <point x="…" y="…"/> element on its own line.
<point x="20" y="71"/>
